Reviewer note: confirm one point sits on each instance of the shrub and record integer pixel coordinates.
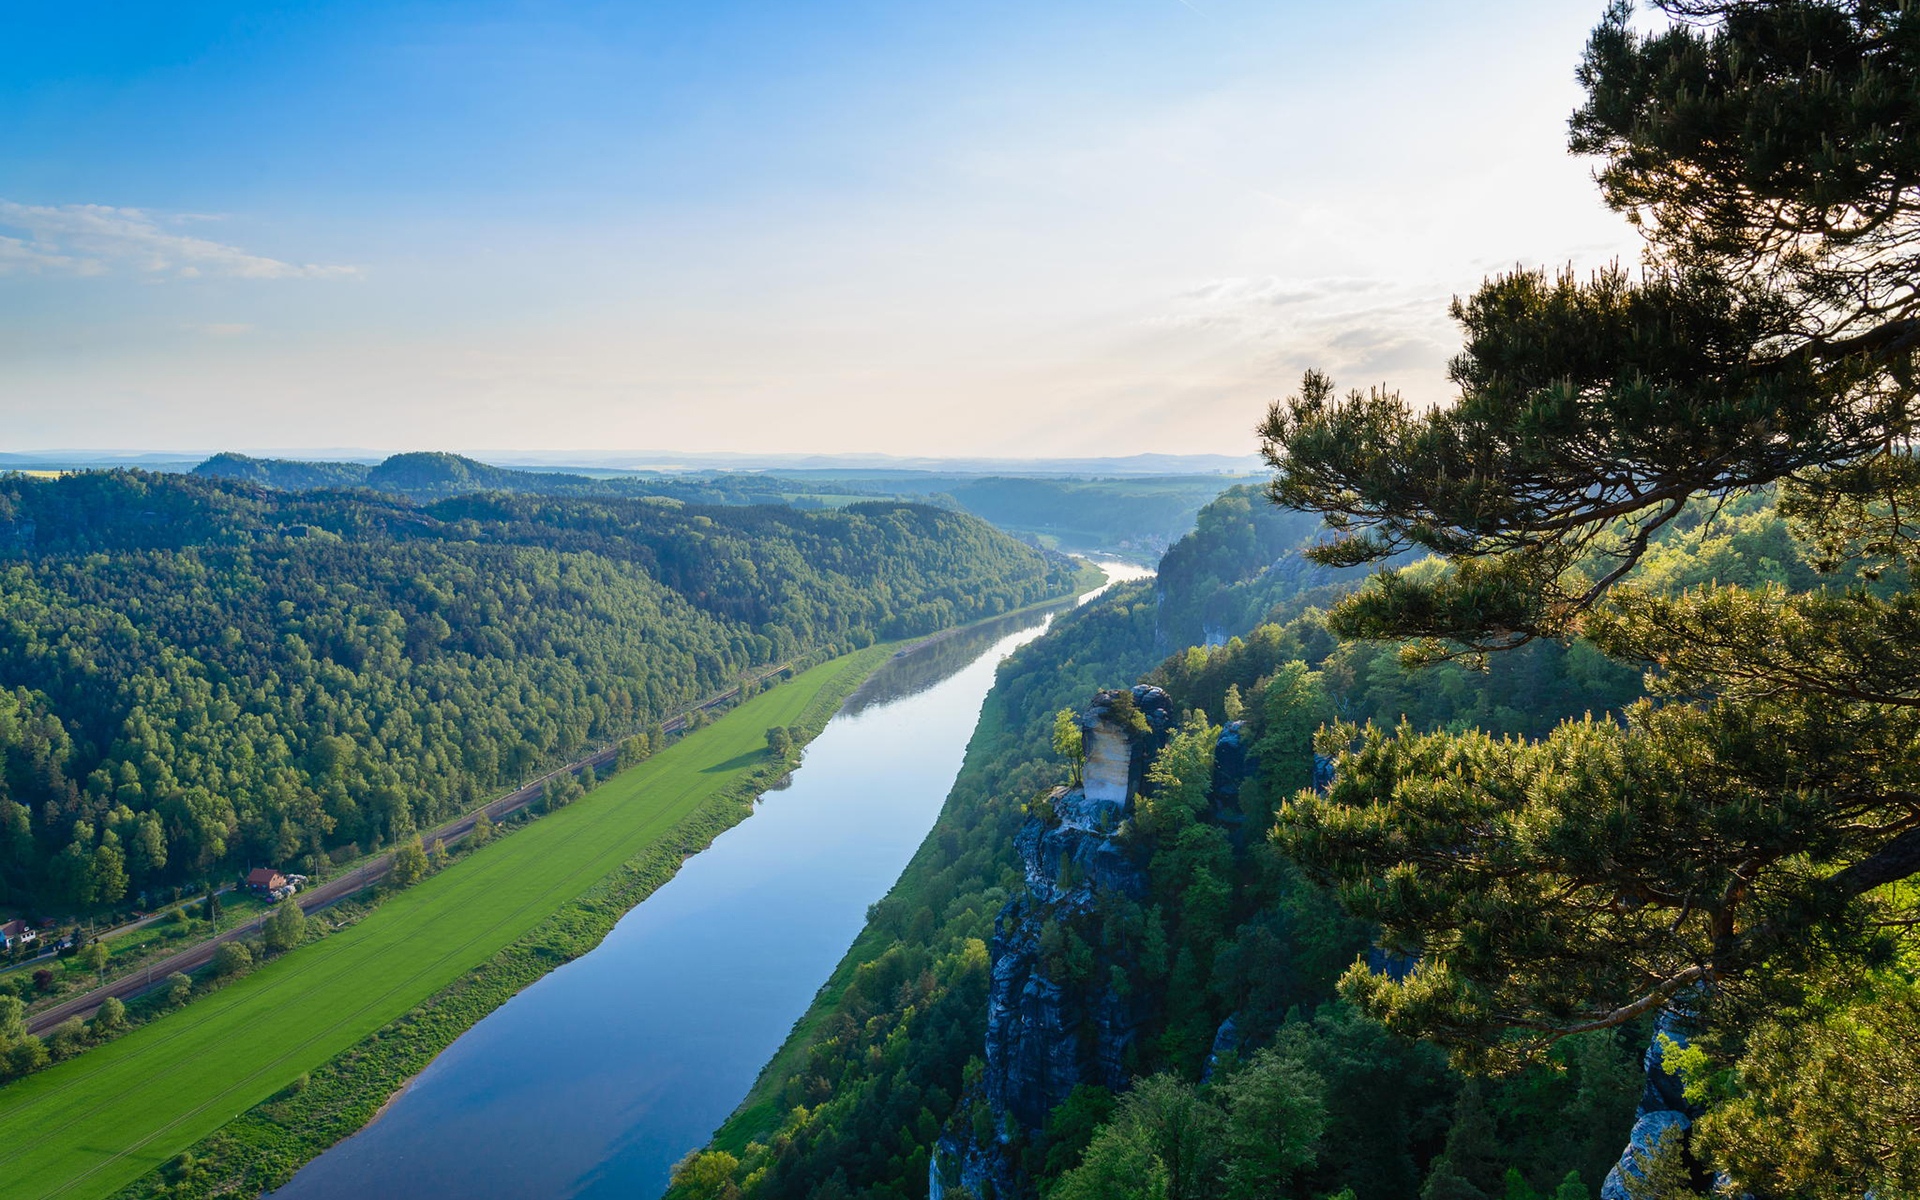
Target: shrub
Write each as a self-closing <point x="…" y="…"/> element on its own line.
<point x="68" y="1038"/>
<point x="232" y="958"/>
<point x="28" y="1054"/>
<point x="409" y="864"/>
<point x="286" y="927"/>
<point x="111" y="1018"/>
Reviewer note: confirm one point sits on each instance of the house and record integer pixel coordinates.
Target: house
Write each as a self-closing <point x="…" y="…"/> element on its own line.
<point x="265" y="881"/>
<point x="16" y="933"/>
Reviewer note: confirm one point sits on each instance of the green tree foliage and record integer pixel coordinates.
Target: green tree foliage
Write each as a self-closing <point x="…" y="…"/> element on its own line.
<point x="1069" y="744"/>
<point x="1743" y="843"/>
<point x="1230" y="927"/>
<point x="409" y="863"/>
<point x="95" y="957"/>
<point x="28" y="1055"/>
<point x="706" y="1175"/>
<point x="1572" y="1188"/>
<point x="111" y="1017"/>
<point x="634" y="750"/>
<point x="779" y="742"/>
<point x="1276" y="1113"/>
<point x="1245" y="1139"/>
<point x="232" y="958"/>
<point x="483" y="829"/>
<point x="1181" y="776"/>
<point x="1815" y="1103"/>
<point x="286" y="927"/>
<point x="200" y="673"/>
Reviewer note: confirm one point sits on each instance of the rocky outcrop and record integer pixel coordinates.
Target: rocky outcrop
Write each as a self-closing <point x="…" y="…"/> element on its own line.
<point x="1663" y="1109"/>
<point x="1047" y="1035"/>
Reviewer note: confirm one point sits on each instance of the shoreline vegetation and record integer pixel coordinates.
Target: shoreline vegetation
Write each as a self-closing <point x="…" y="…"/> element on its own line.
<point x="270" y="1133"/>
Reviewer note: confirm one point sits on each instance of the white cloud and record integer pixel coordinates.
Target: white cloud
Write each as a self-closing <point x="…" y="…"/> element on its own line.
<point x="97" y="239"/>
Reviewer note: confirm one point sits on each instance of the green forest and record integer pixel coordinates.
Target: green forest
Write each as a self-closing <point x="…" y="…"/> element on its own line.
<point x="1233" y="924"/>
<point x="1229" y="927"/>
<point x="1543" y="825"/>
<point x="1133" y="515"/>
<point x="203" y="674"/>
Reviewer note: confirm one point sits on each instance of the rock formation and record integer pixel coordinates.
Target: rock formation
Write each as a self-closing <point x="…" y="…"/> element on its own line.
<point x="1663" y="1106"/>
<point x="1046" y="1036"/>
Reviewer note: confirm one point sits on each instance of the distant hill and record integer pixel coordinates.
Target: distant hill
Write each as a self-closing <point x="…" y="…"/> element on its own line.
<point x="285" y="474"/>
<point x="1132" y="515"/>
<point x="437" y="473"/>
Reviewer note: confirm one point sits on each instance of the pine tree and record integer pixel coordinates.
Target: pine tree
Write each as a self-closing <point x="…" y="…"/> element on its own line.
<point x="1730" y="848"/>
<point x="1704" y="846"/>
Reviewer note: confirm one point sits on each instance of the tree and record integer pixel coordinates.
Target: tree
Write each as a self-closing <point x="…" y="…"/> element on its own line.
<point x="95" y="957"/>
<point x="1180" y="778"/>
<point x="67" y="1039"/>
<point x="706" y="1175"/>
<point x="27" y="1055"/>
<point x="210" y="907"/>
<point x="110" y="1017"/>
<point x="409" y="863"/>
<point x="286" y="927"/>
<point x="13" y="1019"/>
<point x="1716" y="845"/>
<point x="1181" y="1132"/>
<point x="483" y="830"/>
<point x="1276" y="1112"/>
<point x="109" y="871"/>
<point x="1120" y="1164"/>
<point x="779" y="743"/>
<point x="232" y="958"/>
<point x="179" y="989"/>
<point x="1069" y="744"/>
<point x="1572" y="1188"/>
<point x="634" y="751"/>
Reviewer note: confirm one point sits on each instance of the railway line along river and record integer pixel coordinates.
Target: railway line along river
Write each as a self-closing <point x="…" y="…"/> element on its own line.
<point x="597" y="1079"/>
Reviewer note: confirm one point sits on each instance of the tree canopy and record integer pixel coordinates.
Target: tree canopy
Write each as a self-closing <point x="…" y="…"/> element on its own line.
<point x="196" y="673"/>
<point x="1736" y="845"/>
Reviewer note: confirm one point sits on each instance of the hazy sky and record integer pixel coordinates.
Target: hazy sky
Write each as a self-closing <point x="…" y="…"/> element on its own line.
<point x="1081" y="227"/>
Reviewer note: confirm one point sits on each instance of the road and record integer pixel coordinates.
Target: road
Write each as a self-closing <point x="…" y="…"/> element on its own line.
<point x="315" y="898"/>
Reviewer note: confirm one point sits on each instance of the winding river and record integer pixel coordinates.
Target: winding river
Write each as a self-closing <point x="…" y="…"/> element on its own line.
<point x="597" y="1079"/>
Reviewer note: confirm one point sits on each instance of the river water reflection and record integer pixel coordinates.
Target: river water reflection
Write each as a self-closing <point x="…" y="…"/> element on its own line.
<point x="597" y="1079"/>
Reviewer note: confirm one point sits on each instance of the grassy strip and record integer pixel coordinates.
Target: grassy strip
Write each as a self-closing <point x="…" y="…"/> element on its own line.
<point x="438" y="957"/>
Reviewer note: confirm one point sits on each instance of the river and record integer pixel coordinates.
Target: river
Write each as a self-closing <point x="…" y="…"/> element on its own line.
<point x="594" y="1081"/>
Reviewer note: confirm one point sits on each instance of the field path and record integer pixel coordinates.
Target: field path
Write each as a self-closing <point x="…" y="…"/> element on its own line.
<point x="88" y="1127"/>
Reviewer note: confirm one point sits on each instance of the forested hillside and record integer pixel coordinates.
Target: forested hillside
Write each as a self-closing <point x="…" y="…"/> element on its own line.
<point x="433" y="475"/>
<point x="200" y="674"/>
<point x="894" y="1061"/>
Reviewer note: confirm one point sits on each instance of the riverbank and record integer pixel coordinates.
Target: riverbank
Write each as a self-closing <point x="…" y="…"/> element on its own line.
<point x="351" y="1018"/>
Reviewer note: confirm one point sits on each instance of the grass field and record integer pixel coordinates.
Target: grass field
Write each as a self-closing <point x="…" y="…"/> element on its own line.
<point x="90" y="1126"/>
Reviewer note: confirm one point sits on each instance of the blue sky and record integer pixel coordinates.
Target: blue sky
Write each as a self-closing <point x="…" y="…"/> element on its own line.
<point x="986" y="228"/>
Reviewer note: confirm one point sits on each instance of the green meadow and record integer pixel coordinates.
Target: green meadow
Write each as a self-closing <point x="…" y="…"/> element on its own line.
<point x="90" y="1126"/>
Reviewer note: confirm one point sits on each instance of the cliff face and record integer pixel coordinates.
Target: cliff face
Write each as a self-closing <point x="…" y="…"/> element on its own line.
<point x="1664" y="1108"/>
<point x="1046" y="1035"/>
